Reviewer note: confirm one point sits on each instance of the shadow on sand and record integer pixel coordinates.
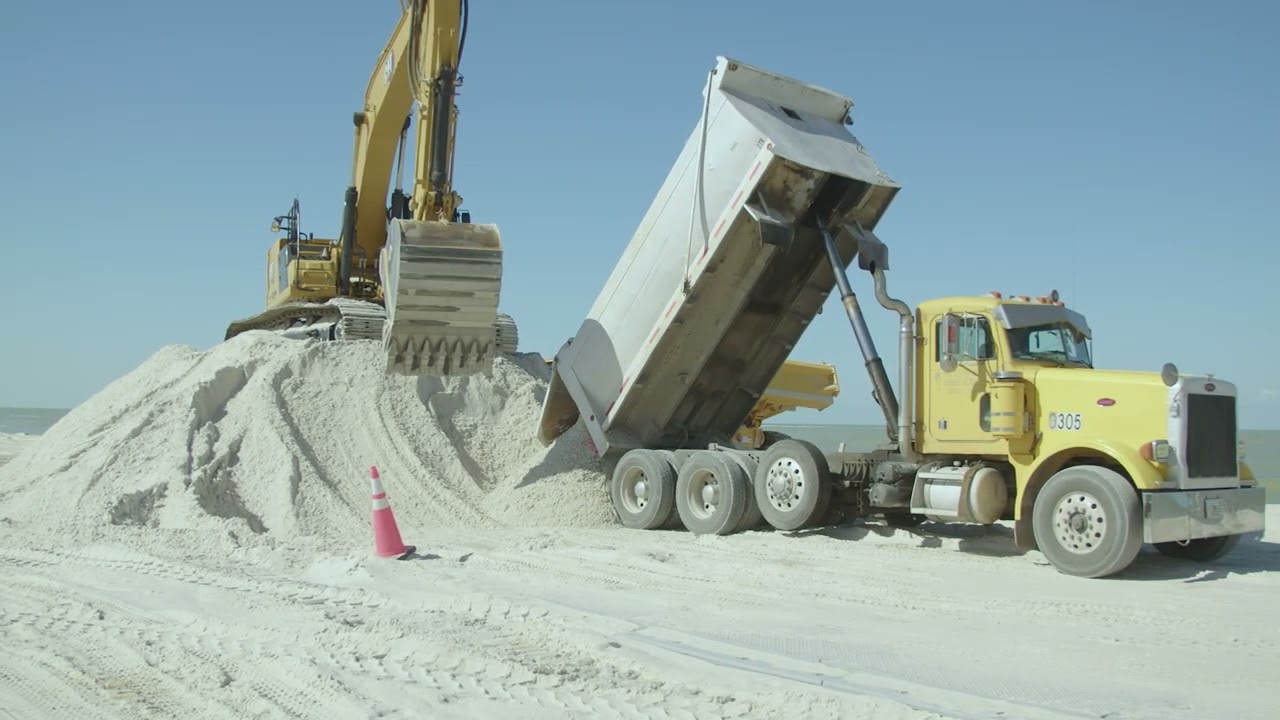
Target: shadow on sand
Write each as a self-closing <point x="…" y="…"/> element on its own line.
<point x="990" y="541"/>
<point x="1253" y="554"/>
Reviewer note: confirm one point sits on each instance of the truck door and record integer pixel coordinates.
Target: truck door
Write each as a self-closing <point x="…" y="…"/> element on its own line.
<point x="956" y="403"/>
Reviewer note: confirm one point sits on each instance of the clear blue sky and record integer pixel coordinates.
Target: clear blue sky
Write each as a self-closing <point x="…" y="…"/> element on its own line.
<point x="1123" y="153"/>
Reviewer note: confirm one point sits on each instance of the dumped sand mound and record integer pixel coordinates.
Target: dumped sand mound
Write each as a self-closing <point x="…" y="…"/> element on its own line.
<point x="275" y="436"/>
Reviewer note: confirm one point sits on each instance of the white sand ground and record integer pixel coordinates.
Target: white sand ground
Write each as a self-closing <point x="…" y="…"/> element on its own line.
<point x="194" y="541"/>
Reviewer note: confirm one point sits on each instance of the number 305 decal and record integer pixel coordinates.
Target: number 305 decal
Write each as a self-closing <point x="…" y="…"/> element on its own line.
<point x="1064" y="421"/>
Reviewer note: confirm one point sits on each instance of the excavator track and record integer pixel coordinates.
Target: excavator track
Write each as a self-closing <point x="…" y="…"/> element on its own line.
<point x="508" y="336"/>
<point x="361" y="320"/>
<point x="346" y="319"/>
<point x="337" y="319"/>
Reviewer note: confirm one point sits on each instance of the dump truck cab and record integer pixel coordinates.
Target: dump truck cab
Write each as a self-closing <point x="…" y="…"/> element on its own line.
<point x="1013" y="381"/>
<point x="978" y="358"/>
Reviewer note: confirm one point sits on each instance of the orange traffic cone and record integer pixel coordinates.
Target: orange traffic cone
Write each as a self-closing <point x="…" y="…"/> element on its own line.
<point x="386" y="535"/>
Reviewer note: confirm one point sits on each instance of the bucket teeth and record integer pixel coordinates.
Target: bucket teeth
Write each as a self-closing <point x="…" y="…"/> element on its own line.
<point x="439" y="356"/>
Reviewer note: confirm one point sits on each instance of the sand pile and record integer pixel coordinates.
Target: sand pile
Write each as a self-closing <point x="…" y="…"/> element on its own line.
<point x="273" y="436"/>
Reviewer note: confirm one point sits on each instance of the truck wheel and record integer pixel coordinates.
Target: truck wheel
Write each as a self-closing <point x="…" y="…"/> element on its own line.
<point x="642" y="489"/>
<point x="673" y="518"/>
<point x="752" y="518"/>
<point x="1088" y="521"/>
<point x="1200" y="549"/>
<point x="711" y="493"/>
<point x="793" y="485"/>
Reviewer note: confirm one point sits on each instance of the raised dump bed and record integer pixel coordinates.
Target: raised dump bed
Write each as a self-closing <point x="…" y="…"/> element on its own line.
<point x="725" y="271"/>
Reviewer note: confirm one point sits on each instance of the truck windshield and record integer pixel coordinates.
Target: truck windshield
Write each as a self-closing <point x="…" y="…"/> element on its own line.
<point x="1055" y="342"/>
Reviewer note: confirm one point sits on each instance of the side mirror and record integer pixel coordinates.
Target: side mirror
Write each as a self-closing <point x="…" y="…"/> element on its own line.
<point x="950" y="341"/>
<point x="275" y="226"/>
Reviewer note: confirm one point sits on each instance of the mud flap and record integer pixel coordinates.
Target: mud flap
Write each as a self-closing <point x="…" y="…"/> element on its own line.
<point x="441" y="283"/>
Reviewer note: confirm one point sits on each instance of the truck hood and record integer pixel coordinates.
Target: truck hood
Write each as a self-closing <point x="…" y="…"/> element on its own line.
<point x="1115" y="382"/>
<point x="1101" y="404"/>
<point x="1116" y="409"/>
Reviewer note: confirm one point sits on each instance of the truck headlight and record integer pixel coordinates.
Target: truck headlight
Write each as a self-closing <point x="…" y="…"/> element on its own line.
<point x="1155" y="451"/>
<point x="1239" y="449"/>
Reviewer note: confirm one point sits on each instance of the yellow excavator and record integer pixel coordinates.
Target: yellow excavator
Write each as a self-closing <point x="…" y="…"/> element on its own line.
<point x="414" y="273"/>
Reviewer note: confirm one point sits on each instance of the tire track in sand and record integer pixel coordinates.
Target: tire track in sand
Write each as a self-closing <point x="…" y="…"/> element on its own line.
<point x="550" y="680"/>
<point x="440" y="648"/>
<point x="776" y="576"/>
<point x="146" y="669"/>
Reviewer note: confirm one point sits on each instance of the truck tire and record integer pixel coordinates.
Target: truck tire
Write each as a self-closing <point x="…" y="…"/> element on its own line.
<point x="1200" y="549"/>
<point x="642" y="489"/>
<point x="773" y="437"/>
<point x="752" y="518"/>
<point x="711" y="493"/>
<point x="1088" y="522"/>
<point x="793" y="485"/>
<point x="673" y="518"/>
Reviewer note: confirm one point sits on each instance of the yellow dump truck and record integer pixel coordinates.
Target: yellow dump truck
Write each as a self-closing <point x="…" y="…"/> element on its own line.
<point x="999" y="412"/>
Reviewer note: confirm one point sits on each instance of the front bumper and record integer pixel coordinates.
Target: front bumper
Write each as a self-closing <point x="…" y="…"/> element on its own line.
<point x="1192" y="514"/>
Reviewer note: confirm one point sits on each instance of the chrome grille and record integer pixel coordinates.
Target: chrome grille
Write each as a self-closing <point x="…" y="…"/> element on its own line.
<point x="1211" y="436"/>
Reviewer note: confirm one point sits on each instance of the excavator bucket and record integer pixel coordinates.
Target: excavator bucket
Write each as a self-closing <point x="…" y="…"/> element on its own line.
<point x="441" y="283"/>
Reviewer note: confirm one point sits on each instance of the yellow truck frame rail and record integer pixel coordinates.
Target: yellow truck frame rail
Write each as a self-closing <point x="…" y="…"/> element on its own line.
<point x="796" y="385"/>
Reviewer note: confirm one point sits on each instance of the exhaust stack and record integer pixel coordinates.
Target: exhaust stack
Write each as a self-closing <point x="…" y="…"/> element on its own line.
<point x="906" y="366"/>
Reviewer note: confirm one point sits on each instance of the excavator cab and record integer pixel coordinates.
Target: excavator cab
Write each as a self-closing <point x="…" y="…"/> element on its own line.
<point x="299" y="267"/>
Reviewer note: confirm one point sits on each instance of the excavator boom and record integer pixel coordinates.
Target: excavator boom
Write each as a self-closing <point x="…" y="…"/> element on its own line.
<point x="414" y="273"/>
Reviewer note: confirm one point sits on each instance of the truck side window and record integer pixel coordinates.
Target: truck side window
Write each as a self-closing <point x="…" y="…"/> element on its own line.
<point x="974" y="337"/>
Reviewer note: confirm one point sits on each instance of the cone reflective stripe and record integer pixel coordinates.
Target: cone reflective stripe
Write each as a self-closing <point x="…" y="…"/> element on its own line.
<point x="386" y="535"/>
<point x="380" y="501"/>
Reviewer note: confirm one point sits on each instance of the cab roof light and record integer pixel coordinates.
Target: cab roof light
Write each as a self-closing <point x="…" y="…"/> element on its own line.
<point x="1051" y="299"/>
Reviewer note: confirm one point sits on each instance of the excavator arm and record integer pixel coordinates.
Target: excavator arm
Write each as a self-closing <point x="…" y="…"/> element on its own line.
<point x="415" y="273"/>
<point x="440" y="275"/>
<point x="419" y="64"/>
